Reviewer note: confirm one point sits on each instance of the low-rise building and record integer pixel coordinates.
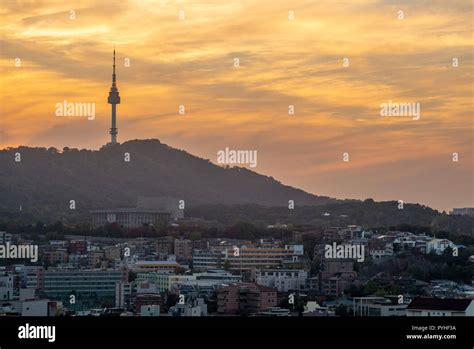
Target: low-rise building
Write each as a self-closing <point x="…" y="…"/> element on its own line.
<point x="206" y="259"/>
<point x="377" y="306"/>
<point x="246" y="298"/>
<point x="57" y="256"/>
<point x="129" y="217"/>
<point x="183" y="249"/>
<point x="189" y="309"/>
<point x="438" y="245"/>
<point x="336" y="275"/>
<point x="283" y="280"/>
<point x="164" y="266"/>
<point x="94" y="258"/>
<point x="79" y="247"/>
<point x="164" y="245"/>
<point x="92" y="284"/>
<point x="37" y="307"/>
<point x="150" y="310"/>
<point x="146" y="300"/>
<point x="112" y="252"/>
<point x="164" y="281"/>
<point x="30" y="276"/>
<point x="440" y="307"/>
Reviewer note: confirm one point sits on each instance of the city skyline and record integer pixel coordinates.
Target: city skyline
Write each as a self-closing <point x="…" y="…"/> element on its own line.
<point x="180" y="59"/>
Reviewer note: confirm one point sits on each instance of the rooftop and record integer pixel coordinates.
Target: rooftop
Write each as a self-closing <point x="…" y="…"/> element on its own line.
<point x="440" y="304"/>
<point x="129" y="210"/>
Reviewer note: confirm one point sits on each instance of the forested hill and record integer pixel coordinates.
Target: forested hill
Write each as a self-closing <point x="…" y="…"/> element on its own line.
<point x="45" y="180"/>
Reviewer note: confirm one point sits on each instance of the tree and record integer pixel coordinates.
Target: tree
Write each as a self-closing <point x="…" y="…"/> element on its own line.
<point x="132" y="276"/>
<point x="342" y="310"/>
<point x="370" y="288"/>
<point x="195" y="235"/>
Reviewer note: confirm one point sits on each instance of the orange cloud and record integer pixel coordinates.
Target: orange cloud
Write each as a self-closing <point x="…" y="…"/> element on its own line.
<point x="282" y="62"/>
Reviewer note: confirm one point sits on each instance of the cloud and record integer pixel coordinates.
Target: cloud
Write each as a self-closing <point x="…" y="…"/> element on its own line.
<point x="282" y="62"/>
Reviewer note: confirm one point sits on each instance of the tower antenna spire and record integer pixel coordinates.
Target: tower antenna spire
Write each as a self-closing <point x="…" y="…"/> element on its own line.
<point x="113" y="71"/>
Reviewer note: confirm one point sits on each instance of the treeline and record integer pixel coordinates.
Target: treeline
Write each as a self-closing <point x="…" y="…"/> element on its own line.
<point x="366" y="213"/>
<point x="57" y="230"/>
<point x="239" y="230"/>
<point x="426" y="267"/>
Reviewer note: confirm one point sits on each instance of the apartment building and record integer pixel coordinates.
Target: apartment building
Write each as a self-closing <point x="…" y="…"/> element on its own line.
<point x="164" y="281"/>
<point x="258" y="257"/>
<point x="283" y="280"/>
<point x="246" y="298"/>
<point x="183" y="249"/>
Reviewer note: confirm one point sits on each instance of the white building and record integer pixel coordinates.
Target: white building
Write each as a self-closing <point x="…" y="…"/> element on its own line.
<point x="440" y="307"/>
<point x="377" y="306"/>
<point x="32" y="307"/>
<point x="37" y="307"/>
<point x="438" y="245"/>
<point x="150" y="310"/>
<point x="387" y="251"/>
<point x="164" y="281"/>
<point x="189" y="310"/>
<point x="283" y="280"/>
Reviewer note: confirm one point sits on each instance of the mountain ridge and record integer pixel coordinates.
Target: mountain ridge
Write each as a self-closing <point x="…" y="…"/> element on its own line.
<point x="46" y="179"/>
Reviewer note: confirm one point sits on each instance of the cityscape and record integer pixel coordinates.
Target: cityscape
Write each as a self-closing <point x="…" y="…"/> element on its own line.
<point x="309" y="271"/>
<point x="157" y="204"/>
<point x="189" y="275"/>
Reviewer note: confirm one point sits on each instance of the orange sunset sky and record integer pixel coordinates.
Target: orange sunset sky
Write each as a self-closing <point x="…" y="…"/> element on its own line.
<point x="283" y="62"/>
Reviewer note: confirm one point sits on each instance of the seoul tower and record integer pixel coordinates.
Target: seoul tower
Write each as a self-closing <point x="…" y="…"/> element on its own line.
<point x="113" y="99"/>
